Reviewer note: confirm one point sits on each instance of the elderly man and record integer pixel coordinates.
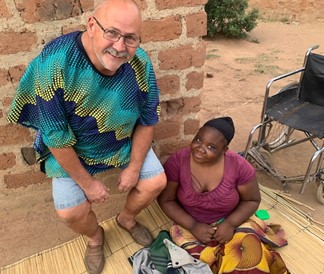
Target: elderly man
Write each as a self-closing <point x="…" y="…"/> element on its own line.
<point x="93" y="99"/>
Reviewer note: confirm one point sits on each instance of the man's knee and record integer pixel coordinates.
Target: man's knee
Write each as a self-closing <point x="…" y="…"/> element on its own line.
<point x="153" y="185"/>
<point x="161" y="182"/>
<point x="74" y="214"/>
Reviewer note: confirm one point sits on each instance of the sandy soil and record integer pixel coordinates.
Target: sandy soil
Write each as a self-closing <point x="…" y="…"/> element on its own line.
<point x="236" y="74"/>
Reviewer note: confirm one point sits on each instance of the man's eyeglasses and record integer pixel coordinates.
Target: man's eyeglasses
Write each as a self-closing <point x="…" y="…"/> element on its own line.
<point x="114" y="36"/>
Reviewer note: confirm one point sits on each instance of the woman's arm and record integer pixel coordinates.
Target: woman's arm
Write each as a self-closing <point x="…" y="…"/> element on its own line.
<point x="169" y="204"/>
<point x="250" y="198"/>
<point x="171" y="207"/>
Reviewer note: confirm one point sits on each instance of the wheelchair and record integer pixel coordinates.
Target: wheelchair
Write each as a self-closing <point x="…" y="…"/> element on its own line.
<point x="292" y="115"/>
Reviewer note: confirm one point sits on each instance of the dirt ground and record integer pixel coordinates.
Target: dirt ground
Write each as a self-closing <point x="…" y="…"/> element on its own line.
<point x="236" y="75"/>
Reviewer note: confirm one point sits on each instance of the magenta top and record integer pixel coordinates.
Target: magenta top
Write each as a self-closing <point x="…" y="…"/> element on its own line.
<point x="208" y="207"/>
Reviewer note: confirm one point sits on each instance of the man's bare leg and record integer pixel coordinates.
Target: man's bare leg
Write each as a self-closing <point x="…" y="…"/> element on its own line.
<point x="139" y="198"/>
<point x="82" y="220"/>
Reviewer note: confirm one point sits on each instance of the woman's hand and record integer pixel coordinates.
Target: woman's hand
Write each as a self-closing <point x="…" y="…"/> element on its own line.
<point x="203" y="232"/>
<point x="224" y="232"/>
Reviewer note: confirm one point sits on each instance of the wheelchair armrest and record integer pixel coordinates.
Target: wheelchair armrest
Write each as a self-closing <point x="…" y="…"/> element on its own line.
<point x="271" y="81"/>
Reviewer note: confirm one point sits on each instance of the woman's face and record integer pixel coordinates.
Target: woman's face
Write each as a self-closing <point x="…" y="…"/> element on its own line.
<point x="208" y="146"/>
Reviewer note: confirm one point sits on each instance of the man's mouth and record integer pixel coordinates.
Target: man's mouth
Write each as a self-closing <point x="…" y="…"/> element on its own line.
<point x="116" y="54"/>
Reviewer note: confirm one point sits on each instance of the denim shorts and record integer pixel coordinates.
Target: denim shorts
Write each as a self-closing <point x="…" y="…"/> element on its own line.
<point x="67" y="193"/>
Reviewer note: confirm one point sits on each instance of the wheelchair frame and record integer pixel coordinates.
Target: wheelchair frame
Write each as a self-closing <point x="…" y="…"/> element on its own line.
<point x="266" y="144"/>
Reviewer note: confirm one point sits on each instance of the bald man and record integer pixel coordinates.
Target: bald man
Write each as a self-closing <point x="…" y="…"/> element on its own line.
<point x="92" y="96"/>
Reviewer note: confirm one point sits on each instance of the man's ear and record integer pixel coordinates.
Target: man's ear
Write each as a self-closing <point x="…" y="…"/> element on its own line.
<point x="90" y="26"/>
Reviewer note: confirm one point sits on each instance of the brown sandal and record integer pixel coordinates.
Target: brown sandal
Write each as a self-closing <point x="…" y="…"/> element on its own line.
<point x="138" y="232"/>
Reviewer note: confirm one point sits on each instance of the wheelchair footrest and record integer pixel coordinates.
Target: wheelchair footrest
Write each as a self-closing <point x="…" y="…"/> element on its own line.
<point x="262" y="163"/>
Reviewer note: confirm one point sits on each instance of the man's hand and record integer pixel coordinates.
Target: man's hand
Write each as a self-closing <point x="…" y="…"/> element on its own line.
<point x="128" y="178"/>
<point x="97" y="192"/>
<point x="94" y="189"/>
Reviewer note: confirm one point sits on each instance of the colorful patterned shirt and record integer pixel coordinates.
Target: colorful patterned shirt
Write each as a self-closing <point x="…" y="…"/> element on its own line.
<point x="71" y="104"/>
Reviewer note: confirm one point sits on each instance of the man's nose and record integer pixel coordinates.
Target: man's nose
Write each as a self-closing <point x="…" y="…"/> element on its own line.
<point x="120" y="44"/>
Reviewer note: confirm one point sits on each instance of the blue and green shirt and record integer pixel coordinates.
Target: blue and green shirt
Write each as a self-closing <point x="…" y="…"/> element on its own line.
<point x="71" y="104"/>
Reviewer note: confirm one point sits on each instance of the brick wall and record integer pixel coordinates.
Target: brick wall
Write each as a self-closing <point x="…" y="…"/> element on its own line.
<point x="172" y="36"/>
<point x="293" y="10"/>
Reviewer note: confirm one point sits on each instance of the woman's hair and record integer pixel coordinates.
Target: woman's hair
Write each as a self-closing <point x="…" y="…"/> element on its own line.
<point x="223" y="124"/>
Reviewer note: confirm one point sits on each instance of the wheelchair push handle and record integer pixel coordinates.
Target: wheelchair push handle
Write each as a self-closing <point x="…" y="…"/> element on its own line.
<point x="311" y="48"/>
<point x="314" y="47"/>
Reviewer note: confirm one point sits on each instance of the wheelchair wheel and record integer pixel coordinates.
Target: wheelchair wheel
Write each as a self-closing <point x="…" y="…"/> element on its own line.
<point x="275" y="135"/>
<point x="320" y="192"/>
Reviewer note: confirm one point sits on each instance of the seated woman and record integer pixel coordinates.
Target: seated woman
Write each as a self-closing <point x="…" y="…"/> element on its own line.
<point x="211" y="195"/>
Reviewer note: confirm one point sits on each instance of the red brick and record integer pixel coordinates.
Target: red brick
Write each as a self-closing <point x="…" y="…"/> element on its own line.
<point x="191" y="105"/>
<point x="169" y="84"/>
<point x="166" y="29"/>
<point x="16" y="72"/>
<point x="12" y="75"/>
<point x="196" y="24"/>
<point x="166" y="129"/>
<point x="4" y="77"/>
<point x="68" y="29"/>
<point x="45" y="10"/>
<point x="7" y="101"/>
<point x="87" y="5"/>
<point x="176" y="58"/>
<point x="182" y="57"/>
<point x="171" y="4"/>
<point x="181" y="106"/>
<point x="172" y="146"/>
<point x="4" y="12"/>
<point x="12" y="134"/>
<point x="7" y="160"/>
<point x="10" y="41"/>
<point x="172" y="108"/>
<point x="199" y="56"/>
<point x="191" y="127"/>
<point x="14" y="181"/>
<point x="195" y="80"/>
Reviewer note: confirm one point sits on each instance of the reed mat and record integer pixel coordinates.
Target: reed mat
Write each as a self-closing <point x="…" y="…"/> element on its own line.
<point x="304" y="253"/>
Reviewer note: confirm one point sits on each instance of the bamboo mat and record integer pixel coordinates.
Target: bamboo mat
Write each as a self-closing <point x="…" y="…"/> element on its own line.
<point x="303" y="255"/>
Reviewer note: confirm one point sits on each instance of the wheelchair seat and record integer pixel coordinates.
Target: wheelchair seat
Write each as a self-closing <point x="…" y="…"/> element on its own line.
<point x="298" y="106"/>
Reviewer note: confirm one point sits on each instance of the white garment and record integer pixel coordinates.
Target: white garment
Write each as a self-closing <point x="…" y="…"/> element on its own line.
<point x="181" y="258"/>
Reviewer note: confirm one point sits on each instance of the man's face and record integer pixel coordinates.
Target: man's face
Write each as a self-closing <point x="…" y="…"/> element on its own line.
<point x="109" y="54"/>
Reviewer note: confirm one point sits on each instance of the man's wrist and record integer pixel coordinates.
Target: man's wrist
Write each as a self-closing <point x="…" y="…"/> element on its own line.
<point x="134" y="166"/>
<point x="84" y="181"/>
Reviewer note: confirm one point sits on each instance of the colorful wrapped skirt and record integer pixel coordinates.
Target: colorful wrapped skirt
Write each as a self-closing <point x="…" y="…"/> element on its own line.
<point x="250" y="251"/>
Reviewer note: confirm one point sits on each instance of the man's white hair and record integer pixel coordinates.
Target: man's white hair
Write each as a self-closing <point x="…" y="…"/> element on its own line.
<point x="102" y="3"/>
